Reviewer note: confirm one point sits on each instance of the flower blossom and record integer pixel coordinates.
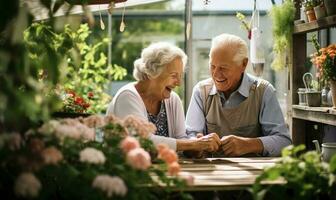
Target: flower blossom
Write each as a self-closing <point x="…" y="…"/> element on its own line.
<point x="94" y="121"/>
<point x="139" y="126"/>
<point x="92" y="155"/>
<point x="111" y="185"/>
<point x="27" y="185"/>
<point x="138" y="158"/>
<point x="51" y="155"/>
<point x="36" y="145"/>
<point x="173" y="168"/>
<point x="12" y="140"/>
<point x="49" y="127"/>
<point x="167" y="154"/>
<point x="129" y="143"/>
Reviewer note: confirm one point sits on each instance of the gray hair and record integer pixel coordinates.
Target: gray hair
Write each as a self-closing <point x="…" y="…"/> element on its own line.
<point x="154" y="58"/>
<point x="232" y="42"/>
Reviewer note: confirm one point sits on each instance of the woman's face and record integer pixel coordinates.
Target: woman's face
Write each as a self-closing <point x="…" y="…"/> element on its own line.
<point x="169" y="78"/>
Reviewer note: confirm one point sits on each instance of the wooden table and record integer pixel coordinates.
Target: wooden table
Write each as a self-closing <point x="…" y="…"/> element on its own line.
<point x="225" y="173"/>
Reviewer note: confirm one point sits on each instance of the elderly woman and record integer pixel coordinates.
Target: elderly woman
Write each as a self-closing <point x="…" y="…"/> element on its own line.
<point x="151" y="97"/>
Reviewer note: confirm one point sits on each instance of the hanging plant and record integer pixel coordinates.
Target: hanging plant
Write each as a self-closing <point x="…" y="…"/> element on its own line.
<point x="282" y="17"/>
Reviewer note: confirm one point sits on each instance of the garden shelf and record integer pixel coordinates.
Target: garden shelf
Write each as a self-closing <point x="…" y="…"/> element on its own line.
<point x="325" y="22"/>
<point x="326" y="115"/>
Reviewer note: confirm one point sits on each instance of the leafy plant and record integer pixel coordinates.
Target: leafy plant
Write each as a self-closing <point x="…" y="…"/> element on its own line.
<point x="282" y="28"/>
<point x="245" y="24"/>
<point x="86" y="69"/>
<point x="306" y="176"/>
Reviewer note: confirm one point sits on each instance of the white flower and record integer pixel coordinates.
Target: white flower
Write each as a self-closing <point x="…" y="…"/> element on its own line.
<point x="12" y="140"/>
<point x="27" y="185"/>
<point x="110" y="185"/>
<point x="49" y="127"/>
<point x="92" y="155"/>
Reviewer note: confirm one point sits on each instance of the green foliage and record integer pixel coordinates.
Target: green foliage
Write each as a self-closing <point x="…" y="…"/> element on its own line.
<point x="86" y="69"/>
<point x="310" y="4"/>
<point x="23" y="95"/>
<point x="282" y="18"/>
<point x="306" y="176"/>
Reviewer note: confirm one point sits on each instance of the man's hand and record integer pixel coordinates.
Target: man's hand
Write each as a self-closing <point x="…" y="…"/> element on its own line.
<point x="236" y="146"/>
<point x="210" y="142"/>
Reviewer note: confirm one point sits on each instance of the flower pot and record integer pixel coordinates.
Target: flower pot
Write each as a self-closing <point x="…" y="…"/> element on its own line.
<point x="333" y="92"/>
<point x="310" y="15"/>
<point x="330" y="7"/>
<point x="302" y="96"/>
<point x="69" y="115"/>
<point x="313" y="98"/>
<point x="320" y="11"/>
<point x="303" y="15"/>
<point x="91" y="2"/>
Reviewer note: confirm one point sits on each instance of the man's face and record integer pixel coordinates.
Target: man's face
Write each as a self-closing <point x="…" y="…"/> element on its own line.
<point x="225" y="72"/>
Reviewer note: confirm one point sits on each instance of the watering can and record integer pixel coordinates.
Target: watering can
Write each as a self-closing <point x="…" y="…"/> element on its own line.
<point x="328" y="150"/>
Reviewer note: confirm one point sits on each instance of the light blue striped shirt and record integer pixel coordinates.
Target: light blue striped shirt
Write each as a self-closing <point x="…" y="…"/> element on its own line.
<point x="275" y="134"/>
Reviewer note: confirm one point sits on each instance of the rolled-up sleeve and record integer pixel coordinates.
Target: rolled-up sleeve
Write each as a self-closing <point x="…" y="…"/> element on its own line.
<point x="275" y="131"/>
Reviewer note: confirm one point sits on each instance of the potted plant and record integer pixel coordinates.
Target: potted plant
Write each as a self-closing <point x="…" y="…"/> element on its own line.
<point x="325" y="62"/>
<point x="282" y="17"/>
<point x="319" y="9"/>
<point x="306" y="177"/>
<point x="309" y="9"/>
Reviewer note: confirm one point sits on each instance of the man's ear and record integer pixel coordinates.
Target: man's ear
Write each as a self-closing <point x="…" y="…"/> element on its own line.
<point x="244" y="64"/>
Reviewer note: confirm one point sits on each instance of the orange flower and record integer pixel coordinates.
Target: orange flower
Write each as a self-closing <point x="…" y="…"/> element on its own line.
<point x="325" y="62"/>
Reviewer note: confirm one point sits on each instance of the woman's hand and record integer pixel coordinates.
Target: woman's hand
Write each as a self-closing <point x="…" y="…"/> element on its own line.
<point x="210" y="142"/>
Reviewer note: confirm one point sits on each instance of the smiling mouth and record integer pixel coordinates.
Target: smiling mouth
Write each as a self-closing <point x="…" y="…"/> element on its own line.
<point x="169" y="89"/>
<point x="220" y="81"/>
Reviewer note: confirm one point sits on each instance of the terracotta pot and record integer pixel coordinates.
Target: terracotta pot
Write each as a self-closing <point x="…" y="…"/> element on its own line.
<point x="311" y="15"/>
<point x="333" y="92"/>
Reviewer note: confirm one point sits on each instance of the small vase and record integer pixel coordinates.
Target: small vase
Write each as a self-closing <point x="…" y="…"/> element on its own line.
<point x="330" y="7"/>
<point x="311" y="15"/>
<point x="320" y="11"/>
<point x="333" y="92"/>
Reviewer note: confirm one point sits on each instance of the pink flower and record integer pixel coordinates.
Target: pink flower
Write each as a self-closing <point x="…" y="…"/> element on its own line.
<point x="139" y="126"/>
<point x="27" y="185"/>
<point x="92" y="156"/>
<point x="110" y="185"/>
<point x="51" y="155"/>
<point x="138" y="158"/>
<point x="94" y="121"/>
<point x="160" y="147"/>
<point x="173" y="168"/>
<point x="168" y="155"/>
<point x="14" y="141"/>
<point x="128" y="144"/>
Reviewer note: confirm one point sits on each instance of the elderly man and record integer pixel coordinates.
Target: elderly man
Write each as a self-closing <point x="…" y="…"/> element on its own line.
<point x="243" y="110"/>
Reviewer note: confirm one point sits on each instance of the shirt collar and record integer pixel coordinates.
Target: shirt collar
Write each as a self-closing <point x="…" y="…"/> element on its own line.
<point x="244" y="88"/>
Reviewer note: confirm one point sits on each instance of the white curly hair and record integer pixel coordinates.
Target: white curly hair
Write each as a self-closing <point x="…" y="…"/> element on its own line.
<point x="154" y="59"/>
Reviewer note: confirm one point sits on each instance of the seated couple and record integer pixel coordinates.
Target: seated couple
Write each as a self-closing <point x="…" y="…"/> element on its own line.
<point x="232" y="113"/>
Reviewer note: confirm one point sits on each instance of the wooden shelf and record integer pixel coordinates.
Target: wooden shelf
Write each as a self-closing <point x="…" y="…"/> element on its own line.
<point x="325" y="115"/>
<point x="325" y="22"/>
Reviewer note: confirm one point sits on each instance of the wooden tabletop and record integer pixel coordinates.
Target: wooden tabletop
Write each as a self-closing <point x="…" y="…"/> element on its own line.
<point x="225" y="173"/>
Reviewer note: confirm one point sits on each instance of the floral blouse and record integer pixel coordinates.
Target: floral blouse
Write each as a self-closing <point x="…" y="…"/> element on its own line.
<point x="160" y="121"/>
